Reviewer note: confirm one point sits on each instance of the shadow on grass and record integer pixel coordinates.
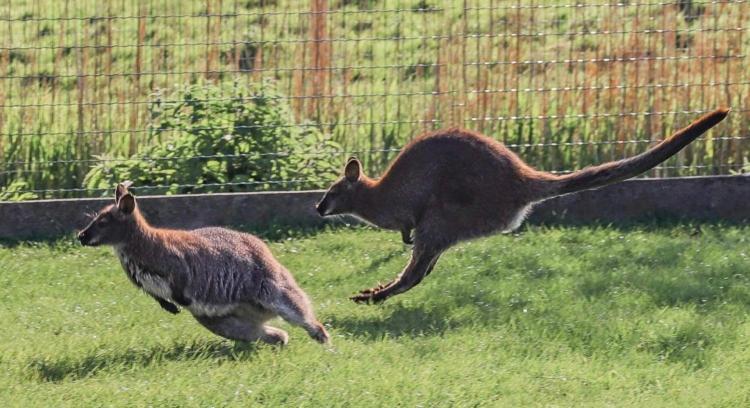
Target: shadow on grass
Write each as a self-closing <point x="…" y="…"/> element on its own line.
<point x="705" y="283"/>
<point x="96" y="361"/>
<point x="400" y="321"/>
<point x="377" y="263"/>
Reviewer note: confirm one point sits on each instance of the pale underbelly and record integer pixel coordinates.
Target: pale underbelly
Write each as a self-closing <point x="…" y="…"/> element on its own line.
<point x="209" y="309"/>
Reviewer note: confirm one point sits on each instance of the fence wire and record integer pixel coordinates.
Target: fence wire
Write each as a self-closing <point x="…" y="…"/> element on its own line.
<point x="247" y="95"/>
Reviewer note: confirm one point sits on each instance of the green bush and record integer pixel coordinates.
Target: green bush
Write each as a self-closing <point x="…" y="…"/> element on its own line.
<point x="17" y="190"/>
<point x="219" y="139"/>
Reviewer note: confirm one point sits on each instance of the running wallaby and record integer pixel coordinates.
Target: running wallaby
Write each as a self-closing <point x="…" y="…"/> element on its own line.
<point x="454" y="185"/>
<point x="228" y="280"/>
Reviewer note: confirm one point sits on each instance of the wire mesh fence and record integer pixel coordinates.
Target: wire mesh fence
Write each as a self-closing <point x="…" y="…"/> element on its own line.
<point x="243" y="95"/>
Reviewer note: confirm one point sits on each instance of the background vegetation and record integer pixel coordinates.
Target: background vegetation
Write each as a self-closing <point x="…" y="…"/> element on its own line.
<point x="636" y="316"/>
<point x="228" y="139"/>
<point x="564" y="84"/>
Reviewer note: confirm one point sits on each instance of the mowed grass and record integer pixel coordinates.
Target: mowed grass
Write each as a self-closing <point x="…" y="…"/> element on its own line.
<point x="637" y="316"/>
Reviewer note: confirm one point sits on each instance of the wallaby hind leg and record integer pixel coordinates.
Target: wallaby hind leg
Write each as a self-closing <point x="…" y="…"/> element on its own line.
<point x="294" y="307"/>
<point x="420" y="265"/>
<point x="236" y="328"/>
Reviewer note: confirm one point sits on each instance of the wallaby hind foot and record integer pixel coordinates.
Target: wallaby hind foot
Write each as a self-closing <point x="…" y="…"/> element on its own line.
<point x="294" y="307"/>
<point x="365" y="295"/>
<point x="239" y="329"/>
<point x="274" y="336"/>
<point x="420" y="265"/>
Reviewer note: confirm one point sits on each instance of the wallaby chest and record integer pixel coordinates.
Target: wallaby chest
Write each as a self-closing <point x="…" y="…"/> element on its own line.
<point x="144" y="276"/>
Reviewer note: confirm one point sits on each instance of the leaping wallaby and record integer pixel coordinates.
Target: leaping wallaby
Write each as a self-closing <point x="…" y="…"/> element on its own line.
<point x="228" y="280"/>
<point x="454" y="185"/>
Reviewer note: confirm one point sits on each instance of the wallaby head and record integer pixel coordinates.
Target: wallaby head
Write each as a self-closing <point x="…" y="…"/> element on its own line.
<point x="112" y="224"/>
<point x="340" y="197"/>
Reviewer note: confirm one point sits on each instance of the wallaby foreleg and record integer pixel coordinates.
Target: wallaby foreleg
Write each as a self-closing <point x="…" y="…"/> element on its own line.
<point x="406" y="236"/>
<point x="167" y="305"/>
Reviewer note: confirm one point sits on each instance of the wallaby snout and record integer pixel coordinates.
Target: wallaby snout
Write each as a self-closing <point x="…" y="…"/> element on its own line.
<point x="83" y="238"/>
<point x="87" y="237"/>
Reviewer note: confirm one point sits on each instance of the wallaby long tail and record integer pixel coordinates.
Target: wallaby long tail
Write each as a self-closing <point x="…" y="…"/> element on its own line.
<point x="612" y="172"/>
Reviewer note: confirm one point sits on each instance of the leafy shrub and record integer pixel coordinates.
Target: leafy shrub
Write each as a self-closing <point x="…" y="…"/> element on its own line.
<point x="17" y="190"/>
<point x="229" y="138"/>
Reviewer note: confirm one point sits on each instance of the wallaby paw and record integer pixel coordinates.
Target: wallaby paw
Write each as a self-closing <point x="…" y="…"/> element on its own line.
<point x="169" y="307"/>
<point x="276" y="337"/>
<point x="366" y="294"/>
<point x="320" y="334"/>
<point x="361" y="298"/>
<point x="374" y="289"/>
<point x="370" y="296"/>
<point x="407" y="237"/>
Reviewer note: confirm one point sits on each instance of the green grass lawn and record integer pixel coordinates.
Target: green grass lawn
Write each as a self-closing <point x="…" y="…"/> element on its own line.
<point x="637" y="316"/>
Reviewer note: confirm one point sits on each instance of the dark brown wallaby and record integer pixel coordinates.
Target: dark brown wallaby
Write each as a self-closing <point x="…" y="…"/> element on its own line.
<point x="229" y="281"/>
<point x="454" y="185"/>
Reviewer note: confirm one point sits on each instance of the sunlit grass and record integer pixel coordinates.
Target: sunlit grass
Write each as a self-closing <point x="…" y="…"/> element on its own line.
<point x="637" y="316"/>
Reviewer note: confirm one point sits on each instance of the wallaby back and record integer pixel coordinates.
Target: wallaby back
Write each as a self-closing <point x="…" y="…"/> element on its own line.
<point x="612" y="172"/>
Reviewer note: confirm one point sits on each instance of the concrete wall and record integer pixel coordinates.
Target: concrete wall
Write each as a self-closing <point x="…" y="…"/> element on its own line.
<point x="694" y="198"/>
<point x="713" y="198"/>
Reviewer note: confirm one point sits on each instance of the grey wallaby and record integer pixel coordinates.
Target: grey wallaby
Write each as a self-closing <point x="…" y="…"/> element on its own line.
<point x="229" y="281"/>
<point x="454" y="185"/>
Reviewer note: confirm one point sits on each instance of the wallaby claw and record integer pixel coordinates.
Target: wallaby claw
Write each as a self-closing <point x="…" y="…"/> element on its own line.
<point x="372" y="290"/>
<point x="370" y="298"/>
<point x="171" y="308"/>
<point x="168" y="306"/>
<point x="361" y="298"/>
<point x="375" y="289"/>
<point x="371" y="295"/>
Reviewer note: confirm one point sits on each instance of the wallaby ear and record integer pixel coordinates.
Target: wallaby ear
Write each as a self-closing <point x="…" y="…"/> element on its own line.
<point x="126" y="203"/>
<point x="353" y="169"/>
<point x="122" y="189"/>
